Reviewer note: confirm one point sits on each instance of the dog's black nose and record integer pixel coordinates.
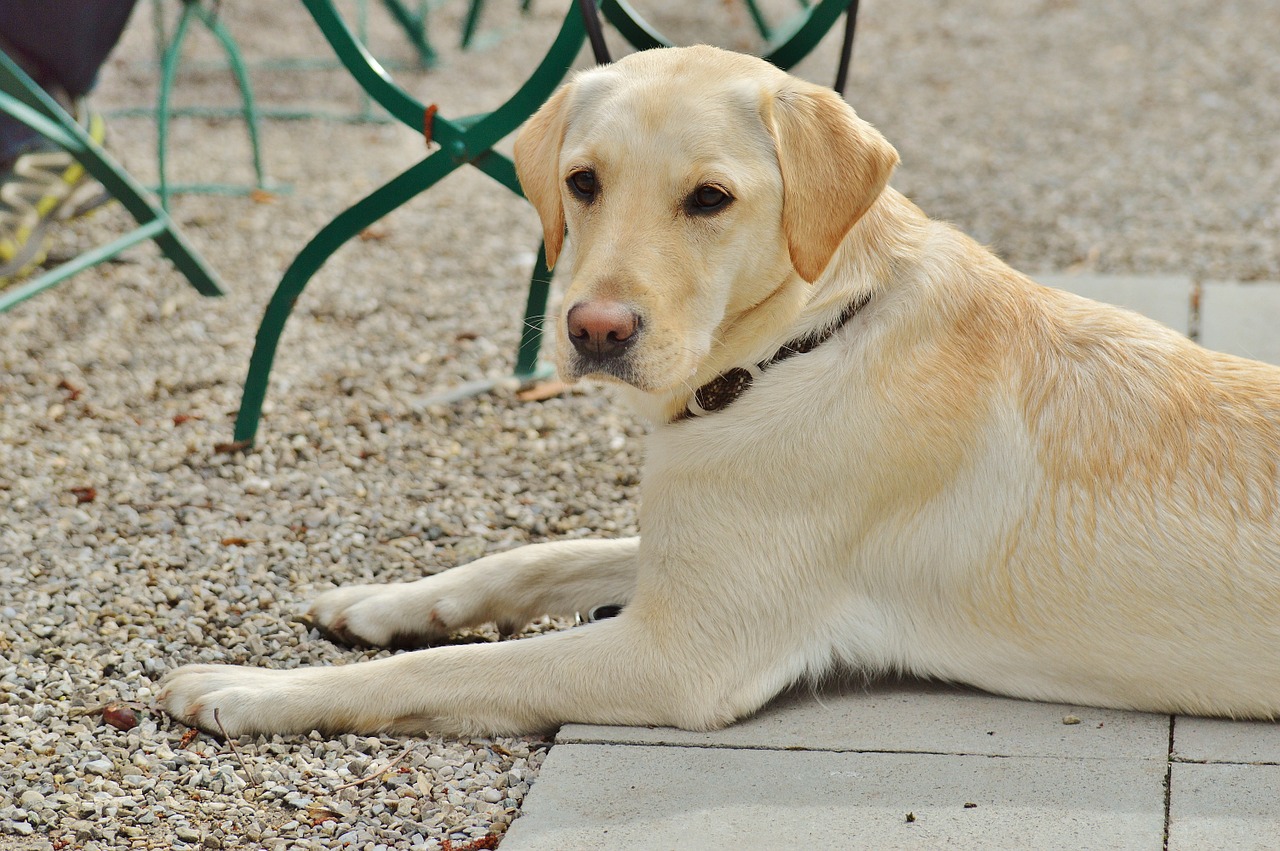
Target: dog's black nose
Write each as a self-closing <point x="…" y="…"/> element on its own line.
<point x="602" y="329"/>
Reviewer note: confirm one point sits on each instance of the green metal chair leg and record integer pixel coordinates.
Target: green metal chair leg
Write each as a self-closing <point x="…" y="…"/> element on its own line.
<point x="467" y="142"/>
<point x="171" y="59"/>
<point x="241" y="73"/>
<point x="414" y="25"/>
<point x="321" y="247"/>
<point x="635" y="29"/>
<point x="796" y="38"/>
<point x="462" y="141"/>
<point x="472" y="21"/>
<point x="757" y="17"/>
<point x="22" y="98"/>
<point x="790" y="42"/>
<point x="535" y="311"/>
<point x="168" y="72"/>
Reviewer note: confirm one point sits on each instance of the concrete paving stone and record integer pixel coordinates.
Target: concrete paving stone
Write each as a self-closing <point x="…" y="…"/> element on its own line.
<point x="1164" y="298"/>
<point x="1224" y="808"/>
<point x="1241" y="319"/>
<point x="916" y="717"/>
<point x="1219" y="740"/>
<point x="624" y="797"/>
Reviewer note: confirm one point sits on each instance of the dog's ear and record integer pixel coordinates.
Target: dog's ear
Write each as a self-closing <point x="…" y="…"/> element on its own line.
<point x="537" y="155"/>
<point x="834" y="166"/>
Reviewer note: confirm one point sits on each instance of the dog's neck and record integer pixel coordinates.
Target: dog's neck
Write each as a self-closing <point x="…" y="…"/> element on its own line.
<point x="889" y="232"/>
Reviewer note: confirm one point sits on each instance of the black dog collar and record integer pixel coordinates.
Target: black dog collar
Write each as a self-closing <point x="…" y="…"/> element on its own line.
<point x="723" y="390"/>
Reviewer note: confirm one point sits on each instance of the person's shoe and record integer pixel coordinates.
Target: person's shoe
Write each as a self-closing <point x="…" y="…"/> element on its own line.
<point x="39" y="187"/>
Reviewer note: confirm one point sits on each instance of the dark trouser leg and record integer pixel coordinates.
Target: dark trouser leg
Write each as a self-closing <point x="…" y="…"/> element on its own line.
<point x="62" y="44"/>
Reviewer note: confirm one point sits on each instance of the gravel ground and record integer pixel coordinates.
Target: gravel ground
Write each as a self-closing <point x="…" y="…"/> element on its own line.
<point x="1137" y="137"/>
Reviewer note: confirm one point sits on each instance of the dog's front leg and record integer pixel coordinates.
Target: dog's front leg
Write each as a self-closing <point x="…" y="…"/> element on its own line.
<point x="626" y="670"/>
<point x="509" y="589"/>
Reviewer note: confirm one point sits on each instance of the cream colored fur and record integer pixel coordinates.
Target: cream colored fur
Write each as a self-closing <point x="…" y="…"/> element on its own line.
<point x="976" y="479"/>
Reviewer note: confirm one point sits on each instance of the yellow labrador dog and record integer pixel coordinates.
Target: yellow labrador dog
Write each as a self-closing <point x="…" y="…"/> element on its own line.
<point x="874" y="446"/>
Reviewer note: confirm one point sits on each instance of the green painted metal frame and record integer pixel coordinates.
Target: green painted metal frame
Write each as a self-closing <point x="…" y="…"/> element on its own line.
<point x="788" y="43"/>
<point x="172" y="57"/>
<point x="22" y="98"/>
<point x="472" y="21"/>
<point x="467" y="141"/>
<point x="169" y="48"/>
<point x="414" y="24"/>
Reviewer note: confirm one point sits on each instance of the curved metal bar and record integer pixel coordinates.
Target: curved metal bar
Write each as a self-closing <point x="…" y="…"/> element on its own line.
<point x="757" y="17"/>
<point x="462" y="143"/>
<point x="472" y="21"/>
<point x="21" y="97"/>
<point x="498" y="124"/>
<point x="795" y="39"/>
<point x="638" y="32"/>
<point x="236" y="61"/>
<point x="372" y="77"/>
<point x="414" y="25"/>
<point x="811" y="25"/>
<point x="169" y="71"/>
<point x="846" y="47"/>
<point x="535" y="309"/>
<point x="331" y="237"/>
<point x="501" y="169"/>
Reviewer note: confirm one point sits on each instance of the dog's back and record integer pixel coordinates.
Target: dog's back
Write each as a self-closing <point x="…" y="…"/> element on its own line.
<point x="1137" y="560"/>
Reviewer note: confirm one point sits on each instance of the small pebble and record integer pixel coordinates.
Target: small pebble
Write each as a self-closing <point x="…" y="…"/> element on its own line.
<point x="100" y="767"/>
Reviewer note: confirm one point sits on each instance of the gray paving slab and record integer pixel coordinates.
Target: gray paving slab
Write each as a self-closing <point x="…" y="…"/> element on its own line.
<point x="1218" y="740"/>
<point x="1242" y="319"/>
<point x="917" y="717"/>
<point x="1164" y="298"/>
<point x="1224" y="808"/>
<point x="653" y="798"/>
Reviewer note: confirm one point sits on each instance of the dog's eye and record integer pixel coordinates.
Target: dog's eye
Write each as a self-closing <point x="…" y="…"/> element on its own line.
<point x="708" y="199"/>
<point x="583" y="184"/>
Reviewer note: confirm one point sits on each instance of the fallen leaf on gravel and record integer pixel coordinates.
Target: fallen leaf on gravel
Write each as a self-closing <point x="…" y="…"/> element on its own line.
<point x="179" y="419"/>
<point x="373" y="234"/>
<point x="120" y="717"/>
<point x="84" y="495"/>
<point x="542" y="391"/>
<point x="233" y="446"/>
<point x="73" y="392"/>
<point x="484" y="843"/>
<point x="321" y="814"/>
<point x="262" y="196"/>
<point x="236" y="542"/>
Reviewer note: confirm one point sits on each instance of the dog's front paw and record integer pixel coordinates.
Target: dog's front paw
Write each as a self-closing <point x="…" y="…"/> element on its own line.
<point x="232" y="701"/>
<point x="382" y="615"/>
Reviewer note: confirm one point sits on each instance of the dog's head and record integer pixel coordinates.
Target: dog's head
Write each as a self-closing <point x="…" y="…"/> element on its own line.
<point x="696" y="185"/>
